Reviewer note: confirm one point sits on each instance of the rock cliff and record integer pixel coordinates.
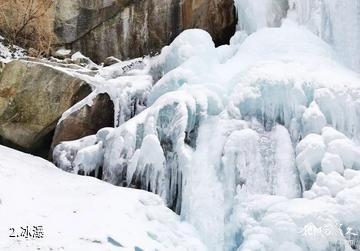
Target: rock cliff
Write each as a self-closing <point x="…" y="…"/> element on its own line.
<point x="128" y="29"/>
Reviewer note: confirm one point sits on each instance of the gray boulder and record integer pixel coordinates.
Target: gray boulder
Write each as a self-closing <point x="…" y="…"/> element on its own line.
<point x="33" y="96"/>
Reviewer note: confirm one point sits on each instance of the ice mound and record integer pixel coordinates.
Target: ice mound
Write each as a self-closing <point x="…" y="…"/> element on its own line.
<point x="325" y="220"/>
<point x="329" y="152"/>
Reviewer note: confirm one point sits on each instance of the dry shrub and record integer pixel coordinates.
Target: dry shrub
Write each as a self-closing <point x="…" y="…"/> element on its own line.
<point x="28" y="23"/>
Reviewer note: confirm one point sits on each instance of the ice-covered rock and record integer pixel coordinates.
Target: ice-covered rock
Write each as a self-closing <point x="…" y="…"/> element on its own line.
<point x="110" y="61"/>
<point x="62" y="53"/>
<point x="85" y="121"/>
<point x="169" y="128"/>
<point x="120" y="91"/>
<point x="33" y="96"/>
<point x="80" y="59"/>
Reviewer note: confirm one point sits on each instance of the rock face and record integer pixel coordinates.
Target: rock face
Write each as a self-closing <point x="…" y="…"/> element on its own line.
<point x="85" y="121"/>
<point x="33" y="96"/>
<point x="128" y="29"/>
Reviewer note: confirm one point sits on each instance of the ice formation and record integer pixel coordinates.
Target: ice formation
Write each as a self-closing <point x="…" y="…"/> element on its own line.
<point x="127" y="83"/>
<point x="252" y="142"/>
<point x="335" y="21"/>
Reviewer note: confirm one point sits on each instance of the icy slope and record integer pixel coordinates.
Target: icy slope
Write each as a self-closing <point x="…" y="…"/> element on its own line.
<point x="81" y="213"/>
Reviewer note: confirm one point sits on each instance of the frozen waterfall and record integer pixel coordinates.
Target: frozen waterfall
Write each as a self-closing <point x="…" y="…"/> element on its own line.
<point x="335" y="21"/>
<point x="249" y="142"/>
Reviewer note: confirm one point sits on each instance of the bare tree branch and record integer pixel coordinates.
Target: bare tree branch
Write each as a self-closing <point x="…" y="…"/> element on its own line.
<point x="30" y="25"/>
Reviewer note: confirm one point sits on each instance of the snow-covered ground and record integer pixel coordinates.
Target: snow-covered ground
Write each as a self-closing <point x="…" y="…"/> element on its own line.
<point x="82" y="213"/>
<point x="8" y="52"/>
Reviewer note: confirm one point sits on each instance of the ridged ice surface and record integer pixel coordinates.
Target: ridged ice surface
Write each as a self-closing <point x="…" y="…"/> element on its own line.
<point x="335" y="21"/>
<point x="251" y="142"/>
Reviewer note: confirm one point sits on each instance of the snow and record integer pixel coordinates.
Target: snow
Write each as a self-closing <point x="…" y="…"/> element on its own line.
<point x="8" y="52"/>
<point x="82" y="213"/>
<point x="78" y="58"/>
<point x="191" y="43"/>
<point x="63" y="52"/>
